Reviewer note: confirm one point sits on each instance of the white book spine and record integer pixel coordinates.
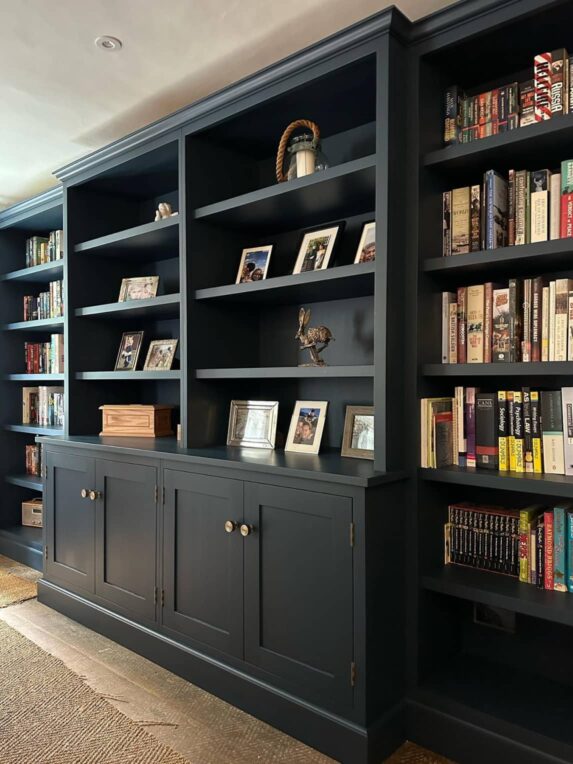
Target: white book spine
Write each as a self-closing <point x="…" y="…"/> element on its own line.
<point x="567" y="406"/>
<point x="447" y="298"/>
<point x="551" y="320"/>
<point x="453" y="333"/>
<point x="539" y="216"/>
<point x="561" y="318"/>
<point x="555" y="203"/>
<point x="462" y="442"/>
<point x="545" y="324"/>
<point x="570" y="331"/>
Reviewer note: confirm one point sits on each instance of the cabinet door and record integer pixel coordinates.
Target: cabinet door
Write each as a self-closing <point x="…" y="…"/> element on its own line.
<point x="298" y="590"/>
<point x="70" y="524"/>
<point x="203" y="563"/>
<point x="126" y="535"/>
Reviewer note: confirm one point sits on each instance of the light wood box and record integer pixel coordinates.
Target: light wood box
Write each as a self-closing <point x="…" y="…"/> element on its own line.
<point x="136" y="420"/>
<point x="33" y="513"/>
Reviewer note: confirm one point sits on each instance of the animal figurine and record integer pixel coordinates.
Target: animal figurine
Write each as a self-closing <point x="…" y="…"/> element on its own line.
<point x="310" y="339"/>
<point x="163" y="211"/>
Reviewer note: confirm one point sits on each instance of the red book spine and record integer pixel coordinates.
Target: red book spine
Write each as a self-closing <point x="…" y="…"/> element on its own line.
<point x="542" y="84"/>
<point x="548" y="551"/>
<point x="488" y="322"/>
<point x="566" y="216"/>
<point x="462" y="325"/>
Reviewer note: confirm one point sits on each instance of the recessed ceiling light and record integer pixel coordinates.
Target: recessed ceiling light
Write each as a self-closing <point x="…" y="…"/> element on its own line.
<point x="108" y="43"/>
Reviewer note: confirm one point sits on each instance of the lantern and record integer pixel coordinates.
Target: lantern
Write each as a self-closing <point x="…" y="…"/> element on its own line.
<point x="305" y="154"/>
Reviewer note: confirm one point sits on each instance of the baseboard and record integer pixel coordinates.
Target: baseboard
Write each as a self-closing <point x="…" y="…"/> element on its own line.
<point x="466" y="742"/>
<point x="336" y="737"/>
<point x="21" y="553"/>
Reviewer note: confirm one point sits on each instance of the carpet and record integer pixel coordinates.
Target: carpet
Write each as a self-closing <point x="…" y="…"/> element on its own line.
<point x="48" y="715"/>
<point x="409" y="753"/>
<point x="17" y="582"/>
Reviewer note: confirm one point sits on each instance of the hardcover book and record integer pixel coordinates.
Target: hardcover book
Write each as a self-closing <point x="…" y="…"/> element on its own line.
<point x="518" y="434"/>
<point x="548" y="556"/>
<point x="470" y="417"/>
<point x="502" y="431"/>
<point x="559" y="82"/>
<point x="521" y="207"/>
<point x="500" y="325"/>
<point x="452" y="100"/>
<point x="542" y="84"/>
<point x="487" y="447"/>
<point x="559" y="547"/>
<point x="453" y="333"/>
<point x="562" y="289"/>
<point x="446" y="223"/>
<point x="536" y="317"/>
<point x="527" y="520"/>
<point x="448" y="298"/>
<point x="475" y="325"/>
<point x="527" y="103"/>
<point x="539" y="205"/>
<point x="527" y="431"/>
<point x="496" y="206"/>
<point x="475" y="218"/>
<point x="567" y="405"/>
<point x="515" y="319"/>
<point x="511" y="208"/>
<point x="545" y="324"/>
<point x="536" y="433"/>
<point x="462" y="324"/>
<point x="460" y="220"/>
<point x="552" y="424"/>
<point x="555" y="206"/>
<point x="526" y="319"/>
<point x="569" y="561"/>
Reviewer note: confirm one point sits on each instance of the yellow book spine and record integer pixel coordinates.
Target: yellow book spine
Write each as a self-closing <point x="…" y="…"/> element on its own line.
<point x="502" y="439"/>
<point x="537" y="460"/>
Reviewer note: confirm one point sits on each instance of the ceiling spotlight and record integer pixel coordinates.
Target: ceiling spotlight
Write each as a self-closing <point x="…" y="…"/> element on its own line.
<point x="108" y="43"/>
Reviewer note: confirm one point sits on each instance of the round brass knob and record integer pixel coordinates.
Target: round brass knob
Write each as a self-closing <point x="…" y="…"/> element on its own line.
<point x="230" y="526"/>
<point x="246" y="530"/>
<point x="84" y="493"/>
<point x="94" y="495"/>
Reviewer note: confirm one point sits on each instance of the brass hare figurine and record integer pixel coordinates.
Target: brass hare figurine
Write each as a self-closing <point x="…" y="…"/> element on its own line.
<point x="310" y="339"/>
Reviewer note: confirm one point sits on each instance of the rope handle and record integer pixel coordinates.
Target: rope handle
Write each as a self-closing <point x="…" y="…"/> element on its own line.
<point x="281" y="177"/>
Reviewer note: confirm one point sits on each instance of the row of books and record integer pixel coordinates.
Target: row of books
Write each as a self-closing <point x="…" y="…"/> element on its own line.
<point x="548" y="94"/>
<point x="48" y="304"/>
<point x="524" y="208"/>
<point x="43" y="406"/>
<point x="534" y="543"/>
<point x="45" y="357"/>
<point x="526" y="320"/>
<point x="522" y="431"/>
<point x="42" y="249"/>
<point x="34" y="460"/>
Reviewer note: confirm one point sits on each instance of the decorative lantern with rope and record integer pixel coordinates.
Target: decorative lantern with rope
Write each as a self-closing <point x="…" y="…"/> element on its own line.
<point x="304" y="150"/>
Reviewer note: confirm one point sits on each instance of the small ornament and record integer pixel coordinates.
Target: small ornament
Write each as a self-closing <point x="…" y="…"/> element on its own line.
<point x="310" y="339"/>
<point x="164" y="211"/>
<point x="305" y="154"/>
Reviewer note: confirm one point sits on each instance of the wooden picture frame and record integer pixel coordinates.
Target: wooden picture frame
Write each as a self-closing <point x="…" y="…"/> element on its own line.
<point x="315" y="249"/>
<point x="306" y="427"/>
<point x="160" y="355"/>
<point x="128" y="353"/>
<point x="138" y="288"/>
<point x="253" y="424"/>
<point x="358" y="444"/>
<point x="366" y="252"/>
<point x="254" y="264"/>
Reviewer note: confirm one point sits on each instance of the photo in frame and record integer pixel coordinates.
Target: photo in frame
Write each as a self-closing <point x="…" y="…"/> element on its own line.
<point x="128" y="352"/>
<point x="138" y="288"/>
<point x="316" y="249"/>
<point x="366" y="251"/>
<point x="358" y="436"/>
<point x="253" y="424"/>
<point x="306" y="427"/>
<point x="254" y="264"/>
<point x="160" y="355"/>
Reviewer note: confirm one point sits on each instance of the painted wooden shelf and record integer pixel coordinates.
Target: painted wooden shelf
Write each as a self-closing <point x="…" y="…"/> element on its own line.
<point x="549" y="485"/>
<point x="545" y="369"/>
<point x="41" y="325"/>
<point x="33" y="429"/>
<point x="42" y="378"/>
<point x="24" y="535"/>
<point x="287" y="372"/>
<point x="37" y="274"/>
<point x="344" y="281"/>
<point x="33" y="482"/>
<point x="165" y="306"/>
<point x="153" y="241"/>
<point x="339" y="191"/>
<point x="133" y="376"/>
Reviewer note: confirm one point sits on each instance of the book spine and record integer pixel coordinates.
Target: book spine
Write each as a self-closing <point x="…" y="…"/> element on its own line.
<point x="511" y="208"/>
<point x="536" y="433"/>
<point x="536" y="318"/>
<point x="453" y="333"/>
<point x="452" y="99"/>
<point x="555" y="206"/>
<point x="559" y="93"/>
<point x="490" y="220"/>
<point x="488" y="322"/>
<point x="518" y="431"/>
<point x="539" y="201"/>
<point x="567" y="407"/>
<point x="475" y="324"/>
<point x="502" y="431"/>
<point x="559" y="569"/>
<point x="500" y="326"/>
<point x="551" y="318"/>
<point x="567" y="216"/>
<point x="527" y="431"/>
<point x="470" y="417"/>
<point x="475" y="218"/>
<point x="570" y="327"/>
<point x="487" y="448"/>
<point x="447" y="299"/>
<point x="520" y="205"/>
<point x="552" y="425"/>
<point x="460" y="221"/>
<point x="462" y="441"/>
<point x="515" y="322"/>
<point x="542" y="84"/>
<point x="540" y="550"/>
<point x="512" y="105"/>
<point x="462" y="324"/>
<point x="446" y="223"/>
<point x="562" y="287"/>
<point x="524" y="518"/>
<point x="570" y="551"/>
<point x="511" y="430"/>
<point x="527" y="103"/>
<point x="548" y="556"/>
<point x="526" y="342"/>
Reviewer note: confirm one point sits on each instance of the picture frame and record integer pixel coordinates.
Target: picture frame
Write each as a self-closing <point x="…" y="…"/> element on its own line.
<point x="315" y="249"/>
<point x="254" y="264"/>
<point x="138" y="288"/>
<point x="358" y="435"/>
<point x="253" y="424"/>
<point x="160" y="355"/>
<point x="128" y="353"/>
<point x="306" y="427"/>
<point x="366" y="252"/>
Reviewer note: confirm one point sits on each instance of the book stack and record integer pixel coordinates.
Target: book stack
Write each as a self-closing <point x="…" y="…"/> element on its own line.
<point x="34" y="460"/>
<point x="41" y="249"/>
<point x="523" y="208"/>
<point x="534" y="543"/>
<point x="46" y="305"/>
<point x="45" y="357"/>
<point x="43" y="406"/>
<point x="549" y="93"/>
<point x="521" y="320"/>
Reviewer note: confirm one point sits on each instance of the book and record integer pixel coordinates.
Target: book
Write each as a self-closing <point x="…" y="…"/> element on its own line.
<point x="496" y="205"/>
<point x="540" y="549"/>
<point x="452" y="100"/>
<point x="521" y="206"/>
<point x="502" y="431"/>
<point x="527" y="430"/>
<point x="548" y="556"/>
<point x="453" y="333"/>
<point x="500" y="325"/>
<point x="559" y="547"/>
<point x="475" y="218"/>
<point x="446" y="223"/>
<point x="442" y="438"/>
<point x="555" y="206"/>
<point x="448" y="298"/>
<point x="567" y="409"/>
<point x="545" y="324"/>
<point x="526" y="103"/>
<point x="459" y="403"/>
<point x="536" y="433"/>
<point x="475" y="323"/>
<point x="527" y="518"/>
<point x="515" y="320"/>
<point x="551" y="318"/>
<point x="559" y="82"/>
<point x="511" y="208"/>
<point x="570" y="327"/>
<point x="536" y="317"/>
<point x="511" y="430"/>
<point x="462" y="324"/>
<point x="487" y="446"/>
<point x="552" y="430"/>
<point x="488" y="322"/>
<point x="29" y="405"/>
<point x="460" y="221"/>
<point x="566" y="224"/>
<point x="539" y="205"/>
<point x="562" y="289"/>
<point x="518" y="435"/>
<point x="429" y="409"/>
<point x="470" y="426"/>
<point x="542" y="86"/>
<point x="526" y="320"/>
<point x="569" y="560"/>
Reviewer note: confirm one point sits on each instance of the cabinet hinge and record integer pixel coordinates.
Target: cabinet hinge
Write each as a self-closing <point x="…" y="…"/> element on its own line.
<point x="45" y="553"/>
<point x="163" y="495"/>
<point x="156" y="494"/>
<point x="155" y="596"/>
<point x="163" y="598"/>
<point x="45" y="471"/>
<point x="352" y="674"/>
<point x="352" y="534"/>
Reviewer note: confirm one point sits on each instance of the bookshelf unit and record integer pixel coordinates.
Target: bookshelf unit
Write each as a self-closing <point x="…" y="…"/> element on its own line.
<point x="476" y="693"/>
<point x="37" y="216"/>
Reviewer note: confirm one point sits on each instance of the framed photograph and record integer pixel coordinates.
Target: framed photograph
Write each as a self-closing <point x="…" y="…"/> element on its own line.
<point x="138" y="288"/>
<point x="306" y="427"/>
<point x="253" y="424"/>
<point x="160" y="355"/>
<point x="254" y="264"/>
<point x="316" y="249"/>
<point x="128" y="353"/>
<point x="358" y="437"/>
<point x="366" y="252"/>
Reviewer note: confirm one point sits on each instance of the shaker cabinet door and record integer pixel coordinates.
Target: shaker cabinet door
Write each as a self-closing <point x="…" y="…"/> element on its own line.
<point x="126" y="535"/>
<point x="203" y="559"/>
<point x="298" y="590"/>
<point x="70" y="520"/>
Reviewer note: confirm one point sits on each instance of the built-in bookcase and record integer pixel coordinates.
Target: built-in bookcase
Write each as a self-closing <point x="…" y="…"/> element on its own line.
<point x="516" y="685"/>
<point x="36" y="217"/>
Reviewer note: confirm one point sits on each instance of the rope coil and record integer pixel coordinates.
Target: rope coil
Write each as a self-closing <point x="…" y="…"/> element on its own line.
<point x="308" y="125"/>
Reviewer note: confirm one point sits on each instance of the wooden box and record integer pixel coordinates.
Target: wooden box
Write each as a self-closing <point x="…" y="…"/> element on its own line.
<point x="33" y="513"/>
<point x="136" y="420"/>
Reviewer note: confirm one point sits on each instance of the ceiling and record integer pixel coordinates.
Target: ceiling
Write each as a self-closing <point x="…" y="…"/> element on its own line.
<point x="61" y="97"/>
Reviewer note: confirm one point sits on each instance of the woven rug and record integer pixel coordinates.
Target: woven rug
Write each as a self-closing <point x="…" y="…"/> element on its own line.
<point x="410" y="753"/>
<point x="48" y="715"/>
<point x="17" y="582"/>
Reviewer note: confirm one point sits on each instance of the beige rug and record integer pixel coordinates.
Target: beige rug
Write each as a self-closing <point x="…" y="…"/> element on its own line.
<point x="410" y="753"/>
<point x="48" y="715"/>
<point x="17" y="582"/>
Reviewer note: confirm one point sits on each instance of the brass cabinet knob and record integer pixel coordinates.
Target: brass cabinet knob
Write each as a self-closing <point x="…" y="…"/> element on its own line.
<point x="84" y="493"/>
<point x="230" y="526"/>
<point x="246" y="530"/>
<point x="95" y="495"/>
